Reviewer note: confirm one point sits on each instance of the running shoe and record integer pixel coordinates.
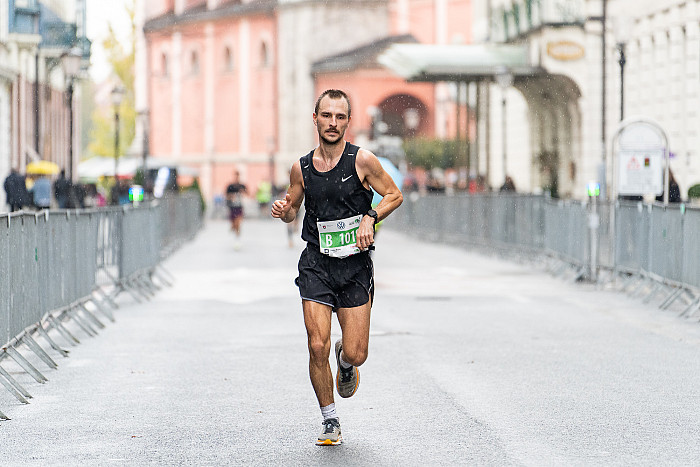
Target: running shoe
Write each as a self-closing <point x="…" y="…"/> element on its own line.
<point x="346" y="381"/>
<point x="330" y="434"/>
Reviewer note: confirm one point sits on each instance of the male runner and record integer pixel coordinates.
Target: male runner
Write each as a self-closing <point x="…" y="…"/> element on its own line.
<point x="335" y="269"/>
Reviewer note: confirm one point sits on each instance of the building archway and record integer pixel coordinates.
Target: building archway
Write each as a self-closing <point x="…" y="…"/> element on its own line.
<point x="402" y="115"/>
<point x="555" y="131"/>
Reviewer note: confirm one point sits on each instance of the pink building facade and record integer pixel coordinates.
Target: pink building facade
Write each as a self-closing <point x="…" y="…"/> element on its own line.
<point x="231" y="85"/>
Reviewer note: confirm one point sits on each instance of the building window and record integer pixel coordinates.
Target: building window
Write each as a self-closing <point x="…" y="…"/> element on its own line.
<point x="194" y="62"/>
<point x="228" y="59"/>
<point x="164" y="65"/>
<point x="264" y="55"/>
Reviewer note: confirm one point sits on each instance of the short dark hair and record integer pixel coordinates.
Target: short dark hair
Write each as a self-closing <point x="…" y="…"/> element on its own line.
<point x="333" y="94"/>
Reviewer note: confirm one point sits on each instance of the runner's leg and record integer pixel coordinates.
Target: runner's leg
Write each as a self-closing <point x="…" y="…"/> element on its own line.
<point x="317" y="318"/>
<point x="354" y="323"/>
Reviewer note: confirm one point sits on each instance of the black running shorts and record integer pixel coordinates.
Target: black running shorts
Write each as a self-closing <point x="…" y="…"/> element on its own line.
<point x="339" y="283"/>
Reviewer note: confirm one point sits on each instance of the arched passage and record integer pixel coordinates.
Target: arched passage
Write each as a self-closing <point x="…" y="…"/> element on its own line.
<point x="555" y="130"/>
<point x="403" y="115"/>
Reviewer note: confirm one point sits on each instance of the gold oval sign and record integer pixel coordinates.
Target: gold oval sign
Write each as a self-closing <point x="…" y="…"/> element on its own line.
<point x="565" y="50"/>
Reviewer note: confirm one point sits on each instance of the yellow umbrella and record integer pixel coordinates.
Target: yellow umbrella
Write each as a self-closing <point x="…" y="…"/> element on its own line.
<point x="42" y="168"/>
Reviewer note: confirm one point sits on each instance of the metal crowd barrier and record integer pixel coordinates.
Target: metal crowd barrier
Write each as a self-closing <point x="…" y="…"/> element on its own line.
<point x="484" y="220"/>
<point x="653" y="249"/>
<point x="64" y="266"/>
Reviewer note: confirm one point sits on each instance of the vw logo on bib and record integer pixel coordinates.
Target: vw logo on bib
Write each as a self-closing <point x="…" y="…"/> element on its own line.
<point x="341" y="225"/>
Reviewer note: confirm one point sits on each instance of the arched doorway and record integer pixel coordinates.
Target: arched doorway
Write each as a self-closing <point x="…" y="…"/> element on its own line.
<point x="401" y="115"/>
<point x="555" y="131"/>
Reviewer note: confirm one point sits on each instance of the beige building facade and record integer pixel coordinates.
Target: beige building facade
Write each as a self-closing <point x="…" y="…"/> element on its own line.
<point x="561" y="120"/>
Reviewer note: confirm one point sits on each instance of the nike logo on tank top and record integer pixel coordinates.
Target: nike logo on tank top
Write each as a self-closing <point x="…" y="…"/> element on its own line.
<point x="335" y="195"/>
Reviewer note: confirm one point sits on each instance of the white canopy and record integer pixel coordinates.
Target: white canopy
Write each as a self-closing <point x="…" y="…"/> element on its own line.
<point x="429" y="62"/>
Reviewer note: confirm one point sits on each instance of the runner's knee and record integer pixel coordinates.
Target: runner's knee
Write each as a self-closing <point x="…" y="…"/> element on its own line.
<point x="319" y="349"/>
<point x="355" y="355"/>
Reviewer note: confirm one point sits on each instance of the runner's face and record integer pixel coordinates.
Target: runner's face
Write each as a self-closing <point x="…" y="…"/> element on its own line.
<point x="332" y="119"/>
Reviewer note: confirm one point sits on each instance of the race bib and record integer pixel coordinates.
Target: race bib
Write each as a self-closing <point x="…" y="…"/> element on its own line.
<point x="338" y="238"/>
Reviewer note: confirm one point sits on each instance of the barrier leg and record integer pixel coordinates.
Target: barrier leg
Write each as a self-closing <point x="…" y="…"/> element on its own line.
<point x="143" y="287"/>
<point x="40" y="329"/>
<point x="672" y="298"/>
<point x="692" y="308"/>
<point x="148" y="285"/>
<point x="579" y="274"/>
<point x="13" y="387"/>
<point x="98" y="306"/>
<point x="150" y="277"/>
<point x="24" y="363"/>
<point x="81" y="324"/>
<point x="72" y="340"/>
<point x="3" y="416"/>
<point x="136" y="286"/>
<point x="36" y="348"/>
<point x="107" y="298"/>
<point x="131" y="292"/>
<point x="164" y="275"/>
<point x="92" y="318"/>
<point x="654" y="290"/>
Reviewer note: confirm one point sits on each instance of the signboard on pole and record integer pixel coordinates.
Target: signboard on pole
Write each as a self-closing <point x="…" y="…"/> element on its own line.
<point x="641" y="172"/>
<point x="641" y="159"/>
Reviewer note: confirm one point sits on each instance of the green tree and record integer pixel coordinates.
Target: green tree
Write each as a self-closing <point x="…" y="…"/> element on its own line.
<point x="121" y="59"/>
<point x="431" y="153"/>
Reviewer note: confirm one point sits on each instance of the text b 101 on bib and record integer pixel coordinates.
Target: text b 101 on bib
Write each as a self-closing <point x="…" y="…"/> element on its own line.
<point x="338" y="238"/>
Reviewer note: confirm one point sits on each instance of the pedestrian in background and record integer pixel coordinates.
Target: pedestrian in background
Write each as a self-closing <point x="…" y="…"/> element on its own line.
<point x="263" y="196"/>
<point x="234" y="201"/>
<point x="674" y="191"/>
<point x="16" y="190"/>
<point x="78" y="196"/>
<point x="508" y="186"/>
<point x="336" y="273"/>
<point x="62" y="190"/>
<point x="41" y="193"/>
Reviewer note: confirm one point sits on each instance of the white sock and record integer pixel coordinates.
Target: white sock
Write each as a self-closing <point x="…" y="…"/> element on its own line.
<point x="345" y="365"/>
<point x="328" y="411"/>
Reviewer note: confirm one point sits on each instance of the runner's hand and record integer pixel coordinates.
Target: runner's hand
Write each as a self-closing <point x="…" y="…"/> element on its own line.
<point x="281" y="207"/>
<point x="365" y="233"/>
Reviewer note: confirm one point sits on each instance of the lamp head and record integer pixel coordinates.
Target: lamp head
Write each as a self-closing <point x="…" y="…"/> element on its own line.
<point x="117" y="95"/>
<point x="71" y="61"/>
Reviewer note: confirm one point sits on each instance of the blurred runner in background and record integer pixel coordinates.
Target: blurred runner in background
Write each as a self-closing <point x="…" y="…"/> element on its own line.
<point x="234" y="200"/>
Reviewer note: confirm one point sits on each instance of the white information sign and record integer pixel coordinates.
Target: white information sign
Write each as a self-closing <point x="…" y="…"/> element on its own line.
<point x="641" y="172"/>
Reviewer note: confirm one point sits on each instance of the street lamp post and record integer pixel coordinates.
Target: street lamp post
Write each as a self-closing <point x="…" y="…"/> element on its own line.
<point x="623" y="27"/>
<point x="622" y="60"/>
<point x="504" y="78"/>
<point x="144" y="116"/>
<point x="117" y="96"/>
<point x="71" y="62"/>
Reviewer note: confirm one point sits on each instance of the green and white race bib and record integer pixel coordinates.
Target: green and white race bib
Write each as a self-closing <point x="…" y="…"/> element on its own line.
<point x="339" y="238"/>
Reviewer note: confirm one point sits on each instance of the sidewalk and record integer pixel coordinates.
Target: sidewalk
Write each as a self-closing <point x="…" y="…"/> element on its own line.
<point x="473" y="360"/>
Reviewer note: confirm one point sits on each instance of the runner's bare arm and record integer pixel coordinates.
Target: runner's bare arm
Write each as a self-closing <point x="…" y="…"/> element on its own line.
<point x="288" y="208"/>
<point x="373" y="175"/>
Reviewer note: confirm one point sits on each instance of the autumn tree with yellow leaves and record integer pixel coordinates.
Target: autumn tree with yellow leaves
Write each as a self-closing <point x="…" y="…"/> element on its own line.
<point x="121" y="58"/>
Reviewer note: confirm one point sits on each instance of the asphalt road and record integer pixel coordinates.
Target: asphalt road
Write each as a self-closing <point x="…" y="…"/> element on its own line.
<point x="473" y="361"/>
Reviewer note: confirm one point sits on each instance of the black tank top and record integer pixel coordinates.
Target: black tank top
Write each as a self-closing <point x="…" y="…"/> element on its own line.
<point x="332" y="195"/>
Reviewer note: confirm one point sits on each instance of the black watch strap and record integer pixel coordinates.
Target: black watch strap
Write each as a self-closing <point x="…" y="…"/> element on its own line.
<point x="373" y="214"/>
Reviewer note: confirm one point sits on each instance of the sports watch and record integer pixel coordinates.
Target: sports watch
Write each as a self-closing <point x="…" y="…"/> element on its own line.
<point x="373" y="214"/>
